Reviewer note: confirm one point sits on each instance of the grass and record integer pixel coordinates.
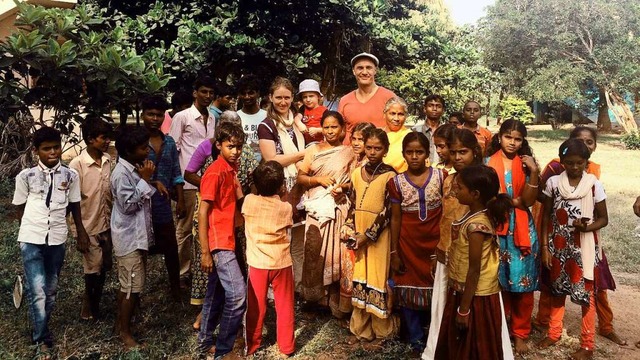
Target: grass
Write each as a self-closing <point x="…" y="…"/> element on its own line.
<point x="166" y="326"/>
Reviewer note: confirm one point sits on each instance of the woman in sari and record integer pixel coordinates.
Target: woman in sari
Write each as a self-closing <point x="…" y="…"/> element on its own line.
<point x="395" y="113"/>
<point x="324" y="169"/>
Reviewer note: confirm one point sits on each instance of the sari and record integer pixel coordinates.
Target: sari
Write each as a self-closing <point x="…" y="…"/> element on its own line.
<point x="328" y="265"/>
<point x="394" y="157"/>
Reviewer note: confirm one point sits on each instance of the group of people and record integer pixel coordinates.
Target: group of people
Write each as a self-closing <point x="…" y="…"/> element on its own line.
<point x="440" y="233"/>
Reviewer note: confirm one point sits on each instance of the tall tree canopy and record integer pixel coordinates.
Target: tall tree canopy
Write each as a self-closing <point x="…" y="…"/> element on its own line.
<point x="551" y="50"/>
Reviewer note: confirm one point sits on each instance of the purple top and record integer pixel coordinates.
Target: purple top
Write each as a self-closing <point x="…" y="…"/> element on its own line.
<point x="203" y="151"/>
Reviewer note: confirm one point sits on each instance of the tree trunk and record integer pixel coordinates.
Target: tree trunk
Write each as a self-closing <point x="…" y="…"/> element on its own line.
<point x="330" y="73"/>
<point x="636" y="103"/>
<point x="604" y="122"/>
<point x="621" y="111"/>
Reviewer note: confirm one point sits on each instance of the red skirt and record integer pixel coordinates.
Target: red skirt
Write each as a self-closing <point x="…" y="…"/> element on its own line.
<point x="482" y="340"/>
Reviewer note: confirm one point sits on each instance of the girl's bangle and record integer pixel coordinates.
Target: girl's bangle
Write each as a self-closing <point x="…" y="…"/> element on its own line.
<point x="433" y="257"/>
<point x="309" y="180"/>
<point x="393" y="252"/>
<point x="532" y="186"/>
<point x="467" y="314"/>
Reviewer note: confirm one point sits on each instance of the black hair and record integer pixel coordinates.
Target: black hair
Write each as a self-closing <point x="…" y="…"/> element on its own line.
<point x="222" y="90"/>
<point x="333" y="114"/>
<point x="362" y="127"/>
<point x="377" y="134"/>
<point x="247" y="82"/>
<point x="436" y="97"/>
<point x="444" y="131"/>
<point x="579" y="129"/>
<point x="416" y="136"/>
<point x="574" y="147"/>
<point x="154" y="102"/>
<point x="469" y="140"/>
<point x="46" y="133"/>
<point x="471" y="101"/>
<point x="181" y="98"/>
<point x="94" y="126"/>
<point x="227" y="131"/>
<point x="129" y="137"/>
<point x="484" y="180"/>
<point x="205" y="81"/>
<point x="457" y="115"/>
<point x="268" y="178"/>
<point x="507" y="127"/>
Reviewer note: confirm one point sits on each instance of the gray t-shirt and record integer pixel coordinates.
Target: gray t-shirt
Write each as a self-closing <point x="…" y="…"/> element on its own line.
<point x="250" y="124"/>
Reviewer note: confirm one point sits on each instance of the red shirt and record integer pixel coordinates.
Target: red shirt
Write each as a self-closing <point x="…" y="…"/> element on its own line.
<point x="218" y="186"/>
<point x="312" y="118"/>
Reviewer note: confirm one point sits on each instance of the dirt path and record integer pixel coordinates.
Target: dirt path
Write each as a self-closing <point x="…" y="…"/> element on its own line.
<point x="625" y="302"/>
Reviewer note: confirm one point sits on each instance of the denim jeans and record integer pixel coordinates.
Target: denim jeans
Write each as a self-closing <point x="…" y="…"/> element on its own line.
<point x="224" y="304"/>
<point x="42" y="265"/>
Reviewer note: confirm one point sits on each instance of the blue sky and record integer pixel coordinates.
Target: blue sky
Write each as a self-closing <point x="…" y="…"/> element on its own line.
<point x="467" y="11"/>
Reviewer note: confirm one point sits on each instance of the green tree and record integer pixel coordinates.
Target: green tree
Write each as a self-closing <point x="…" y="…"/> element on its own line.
<point x="552" y="50"/>
<point x="69" y="61"/>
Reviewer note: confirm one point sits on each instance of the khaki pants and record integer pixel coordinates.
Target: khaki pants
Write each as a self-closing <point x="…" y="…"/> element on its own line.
<point x="184" y="232"/>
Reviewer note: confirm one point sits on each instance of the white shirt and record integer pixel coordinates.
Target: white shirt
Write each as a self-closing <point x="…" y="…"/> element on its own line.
<point x="188" y="131"/>
<point x="422" y="127"/>
<point x="131" y="227"/>
<point x="40" y="224"/>
<point x="250" y="124"/>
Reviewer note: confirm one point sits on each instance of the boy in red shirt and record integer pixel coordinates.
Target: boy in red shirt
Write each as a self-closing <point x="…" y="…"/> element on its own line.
<point x="225" y="300"/>
<point x="308" y="121"/>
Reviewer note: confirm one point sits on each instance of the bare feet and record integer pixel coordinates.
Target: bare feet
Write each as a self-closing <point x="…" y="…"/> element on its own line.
<point x="196" y="324"/>
<point x="352" y="340"/>
<point x="85" y="312"/>
<point x="43" y="352"/>
<point x="520" y="345"/>
<point x="546" y="342"/>
<point x="373" y="345"/>
<point x="615" y="338"/>
<point x="582" y="354"/>
<point x="129" y="342"/>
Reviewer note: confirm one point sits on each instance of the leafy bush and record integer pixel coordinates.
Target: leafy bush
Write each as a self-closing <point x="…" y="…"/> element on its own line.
<point x="513" y="107"/>
<point x="631" y="141"/>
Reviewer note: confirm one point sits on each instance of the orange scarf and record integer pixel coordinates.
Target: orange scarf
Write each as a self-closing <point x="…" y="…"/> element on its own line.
<point x="521" y="237"/>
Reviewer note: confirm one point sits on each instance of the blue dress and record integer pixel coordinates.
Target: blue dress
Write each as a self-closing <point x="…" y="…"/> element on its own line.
<point x="518" y="273"/>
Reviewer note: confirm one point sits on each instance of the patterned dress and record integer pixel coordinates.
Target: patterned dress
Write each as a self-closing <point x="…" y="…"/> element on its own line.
<point x="420" y="232"/>
<point x="518" y="273"/>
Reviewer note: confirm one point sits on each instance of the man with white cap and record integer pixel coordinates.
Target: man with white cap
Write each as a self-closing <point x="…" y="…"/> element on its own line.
<point x="366" y="103"/>
<point x="311" y="96"/>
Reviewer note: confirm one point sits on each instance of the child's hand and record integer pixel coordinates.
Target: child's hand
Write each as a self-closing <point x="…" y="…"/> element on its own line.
<point x="181" y="210"/>
<point x="325" y="181"/>
<point x="82" y="243"/>
<point x="581" y="224"/>
<point x="345" y="232"/>
<point x="397" y="266"/>
<point x="315" y="131"/>
<point x="462" y="322"/>
<point x="361" y="241"/>
<point x="161" y="189"/>
<point x="206" y="262"/>
<point x="546" y="257"/>
<point x="530" y="163"/>
<point x="146" y="170"/>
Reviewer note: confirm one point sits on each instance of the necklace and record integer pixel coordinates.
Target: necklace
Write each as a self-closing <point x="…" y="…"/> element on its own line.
<point x="370" y="178"/>
<point x="467" y="217"/>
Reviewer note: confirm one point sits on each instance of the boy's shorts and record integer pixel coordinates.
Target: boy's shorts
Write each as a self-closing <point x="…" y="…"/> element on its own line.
<point x="92" y="260"/>
<point x="132" y="270"/>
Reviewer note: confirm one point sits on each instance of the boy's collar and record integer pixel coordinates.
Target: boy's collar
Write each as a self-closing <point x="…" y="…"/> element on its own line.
<point x="45" y="168"/>
<point x="233" y="167"/>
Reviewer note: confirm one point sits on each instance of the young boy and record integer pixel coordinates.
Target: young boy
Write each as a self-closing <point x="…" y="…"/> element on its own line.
<point x="43" y="194"/>
<point x="455" y="118"/>
<point x="267" y="221"/>
<point x="309" y="121"/>
<point x="225" y="298"/>
<point x="434" y="107"/>
<point x="131" y="222"/>
<point x="94" y="168"/>
<point x="222" y="100"/>
<point x="471" y="113"/>
<point x="167" y="178"/>
<point x="250" y="111"/>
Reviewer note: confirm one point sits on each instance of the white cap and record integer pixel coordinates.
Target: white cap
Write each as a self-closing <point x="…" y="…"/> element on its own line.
<point x="309" y="85"/>
<point x="364" y="55"/>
